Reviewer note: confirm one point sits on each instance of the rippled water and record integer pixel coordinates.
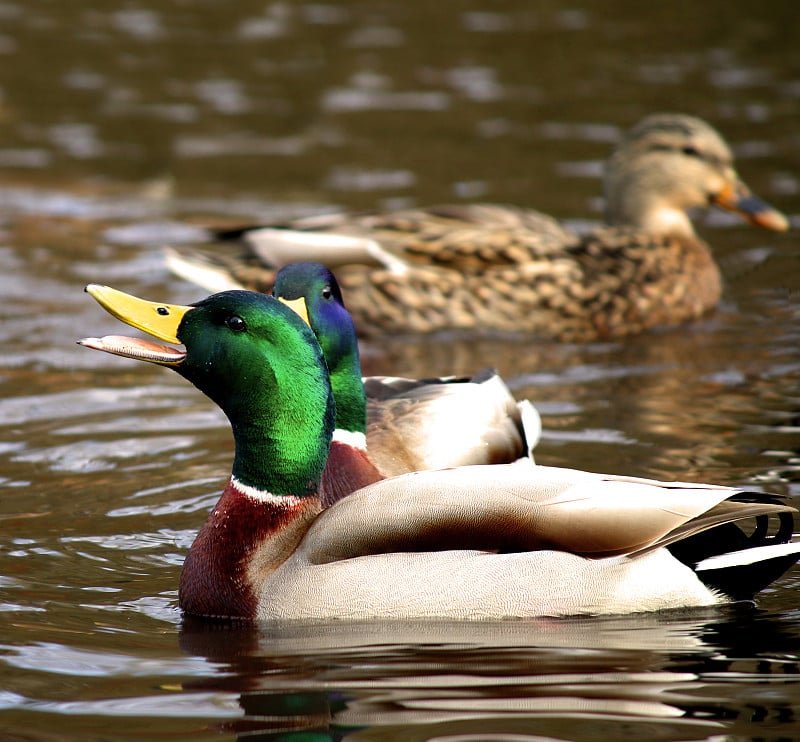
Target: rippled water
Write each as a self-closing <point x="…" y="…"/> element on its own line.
<point x="123" y="124"/>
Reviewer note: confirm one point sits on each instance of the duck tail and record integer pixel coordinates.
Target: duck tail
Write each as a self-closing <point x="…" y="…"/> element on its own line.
<point x="741" y="574"/>
<point x="754" y="561"/>
<point x="231" y="234"/>
<point x="531" y="426"/>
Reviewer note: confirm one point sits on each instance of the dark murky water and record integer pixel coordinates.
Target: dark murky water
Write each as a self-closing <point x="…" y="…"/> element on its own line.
<point x="121" y="124"/>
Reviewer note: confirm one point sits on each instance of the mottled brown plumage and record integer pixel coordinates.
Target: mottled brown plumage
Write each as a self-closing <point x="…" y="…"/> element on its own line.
<point x="496" y="268"/>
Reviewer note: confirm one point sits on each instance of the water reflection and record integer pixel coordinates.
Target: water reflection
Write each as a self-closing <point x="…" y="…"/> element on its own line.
<point x="367" y="681"/>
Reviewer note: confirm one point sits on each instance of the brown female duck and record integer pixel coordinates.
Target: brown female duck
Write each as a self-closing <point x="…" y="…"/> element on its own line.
<point x="499" y="268"/>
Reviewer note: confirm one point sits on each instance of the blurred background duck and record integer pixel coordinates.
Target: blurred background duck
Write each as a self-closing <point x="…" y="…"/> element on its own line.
<point x="473" y="542"/>
<point x="406" y="424"/>
<point x="498" y="268"/>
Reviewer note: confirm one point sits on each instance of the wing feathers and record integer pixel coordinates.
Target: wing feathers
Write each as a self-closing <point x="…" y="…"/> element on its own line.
<point x="521" y="507"/>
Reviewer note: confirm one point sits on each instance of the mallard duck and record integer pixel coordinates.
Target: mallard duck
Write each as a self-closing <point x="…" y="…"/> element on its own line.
<point x="470" y="542"/>
<point x="406" y="424"/>
<point x="497" y="268"/>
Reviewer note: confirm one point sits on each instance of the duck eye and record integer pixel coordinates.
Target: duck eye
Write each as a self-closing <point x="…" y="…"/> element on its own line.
<point x="691" y="151"/>
<point x="235" y="324"/>
<point x="327" y="292"/>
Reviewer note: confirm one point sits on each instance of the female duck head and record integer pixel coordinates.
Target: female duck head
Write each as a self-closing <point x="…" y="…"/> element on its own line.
<point x="670" y="163"/>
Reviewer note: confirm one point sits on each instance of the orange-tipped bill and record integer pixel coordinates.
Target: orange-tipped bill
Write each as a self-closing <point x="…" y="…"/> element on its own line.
<point x="739" y="199"/>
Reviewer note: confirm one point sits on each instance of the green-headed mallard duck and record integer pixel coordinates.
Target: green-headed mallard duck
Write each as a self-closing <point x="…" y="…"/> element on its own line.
<point x="465" y="543"/>
<point x="497" y="268"/>
<point x="406" y="424"/>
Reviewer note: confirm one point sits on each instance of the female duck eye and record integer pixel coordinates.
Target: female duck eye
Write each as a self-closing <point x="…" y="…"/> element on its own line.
<point x="327" y="293"/>
<point x="691" y="151"/>
<point x="235" y="323"/>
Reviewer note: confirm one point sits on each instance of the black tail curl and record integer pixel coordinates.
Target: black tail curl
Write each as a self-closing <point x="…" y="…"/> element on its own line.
<point x="741" y="581"/>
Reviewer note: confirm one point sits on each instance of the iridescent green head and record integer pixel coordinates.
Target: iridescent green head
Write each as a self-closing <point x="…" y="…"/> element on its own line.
<point x="254" y="358"/>
<point x="312" y="291"/>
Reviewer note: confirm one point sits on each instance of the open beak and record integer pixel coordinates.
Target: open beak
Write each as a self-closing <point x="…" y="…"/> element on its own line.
<point x="738" y="198"/>
<point x="157" y="319"/>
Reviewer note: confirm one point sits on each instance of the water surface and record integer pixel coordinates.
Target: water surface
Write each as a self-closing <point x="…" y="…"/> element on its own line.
<point x="124" y="124"/>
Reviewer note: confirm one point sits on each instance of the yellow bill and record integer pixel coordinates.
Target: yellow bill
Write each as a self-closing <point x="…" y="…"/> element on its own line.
<point x="155" y="318"/>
